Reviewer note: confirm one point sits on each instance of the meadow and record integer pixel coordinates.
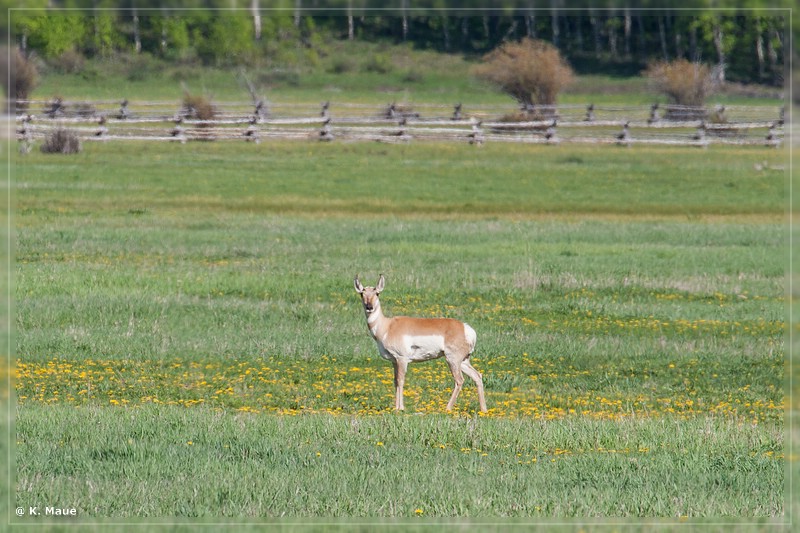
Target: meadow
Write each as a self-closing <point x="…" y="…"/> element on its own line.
<point x="189" y="344"/>
<point x="365" y="72"/>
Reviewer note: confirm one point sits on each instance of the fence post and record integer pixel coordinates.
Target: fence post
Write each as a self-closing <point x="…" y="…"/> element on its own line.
<point x="550" y="133"/>
<point x="261" y="111"/>
<point x="26" y="142"/>
<point x="123" y="110"/>
<point x="178" y="131"/>
<point x="56" y="108"/>
<point x="476" y="137"/>
<point x="589" y="114"/>
<point x="700" y="135"/>
<point x="102" y="130"/>
<point x="457" y="112"/>
<point x="252" y="134"/>
<point x="772" y="138"/>
<point x="653" y="114"/>
<point x="624" y="137"/>
<point x="402" y="124"/>
<point x="325" y="134"/>
<point x="719" y="115"/>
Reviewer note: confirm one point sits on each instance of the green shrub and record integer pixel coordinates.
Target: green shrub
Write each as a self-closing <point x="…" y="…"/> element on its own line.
<point x="280" y="76"/>
<point x="414" y="76"/>
<point x="342" y="65"/>
<point x="54" y="34"/>
<point x="70" y="62"/>
<point x="230" y="41"/>
<point x="379" y="63"/>
<point x="141" y="67"/>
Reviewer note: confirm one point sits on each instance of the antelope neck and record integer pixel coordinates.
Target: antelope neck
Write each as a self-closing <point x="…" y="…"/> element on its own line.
<point x="374" y="317"/>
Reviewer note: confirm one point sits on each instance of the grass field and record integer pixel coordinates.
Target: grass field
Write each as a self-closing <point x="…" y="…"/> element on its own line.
<point x="345" y="72"/>
<point x="189" y="343"/>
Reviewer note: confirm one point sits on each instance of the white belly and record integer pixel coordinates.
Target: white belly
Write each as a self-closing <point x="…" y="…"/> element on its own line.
<point x="423" y="347"/>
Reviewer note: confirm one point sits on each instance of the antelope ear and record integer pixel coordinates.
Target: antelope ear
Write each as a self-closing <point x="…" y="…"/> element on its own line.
<point x="357" y="284"/>
<point x="381" y="284"/>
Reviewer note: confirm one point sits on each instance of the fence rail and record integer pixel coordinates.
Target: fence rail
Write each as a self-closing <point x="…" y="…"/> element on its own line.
<point x="624" y="125"/>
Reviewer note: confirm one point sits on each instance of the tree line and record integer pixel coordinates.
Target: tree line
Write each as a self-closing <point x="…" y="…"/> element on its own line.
<point x="743" y="45"/>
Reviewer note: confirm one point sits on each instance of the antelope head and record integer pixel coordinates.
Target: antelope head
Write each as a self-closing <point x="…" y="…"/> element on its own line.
<point x="369" y="295"/>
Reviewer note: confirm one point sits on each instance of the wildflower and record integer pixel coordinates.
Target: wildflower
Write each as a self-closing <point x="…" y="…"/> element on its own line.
<point x="419" y="512"/>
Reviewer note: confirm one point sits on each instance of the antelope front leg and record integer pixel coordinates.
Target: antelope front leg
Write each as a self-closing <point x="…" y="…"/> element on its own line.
<point x="400" y="367"/>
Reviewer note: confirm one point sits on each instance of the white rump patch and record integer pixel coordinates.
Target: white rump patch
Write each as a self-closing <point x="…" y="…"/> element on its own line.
<point x="471" y="337"/>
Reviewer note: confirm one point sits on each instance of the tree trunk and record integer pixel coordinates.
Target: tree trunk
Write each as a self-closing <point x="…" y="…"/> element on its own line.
<point x="640" y="37"/>
<point x="717" y="33"/>
<point x="612" y="36"/>
<point x="405" y="20"/>
<point x="254" y="9"/>
<point x="596" y="34"/>
<point x="512" y="30"/>
<point x="556" y="31"/>
<point x="694" y="53"/>
<point x="663" y="37"/>
<point x="772" y="54"/>
<point x="137" y="38"/>
<point x="628" y="25"/>
<point x="530" y="26"/>
<point x="759" y="48"/>
<point x="446" y="33"/>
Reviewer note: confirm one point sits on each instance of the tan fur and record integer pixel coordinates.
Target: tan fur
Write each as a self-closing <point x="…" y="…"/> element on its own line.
<point x="403" y="340"/>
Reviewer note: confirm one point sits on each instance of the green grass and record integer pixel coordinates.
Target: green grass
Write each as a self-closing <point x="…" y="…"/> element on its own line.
<point x="188" y="335"/>
<point x="341" y="73"/>
<point x="426" y="180"/>
<point x="157" y="460"/>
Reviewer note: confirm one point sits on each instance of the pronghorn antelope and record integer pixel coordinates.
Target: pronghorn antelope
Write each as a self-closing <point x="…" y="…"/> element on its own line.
<point x="403" y="340"/>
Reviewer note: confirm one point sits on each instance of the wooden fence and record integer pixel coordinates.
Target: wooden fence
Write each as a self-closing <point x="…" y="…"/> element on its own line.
<point x="622" y="125"/>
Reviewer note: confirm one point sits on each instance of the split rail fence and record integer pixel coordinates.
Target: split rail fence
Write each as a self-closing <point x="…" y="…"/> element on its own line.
<point x="621" y="125"/>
